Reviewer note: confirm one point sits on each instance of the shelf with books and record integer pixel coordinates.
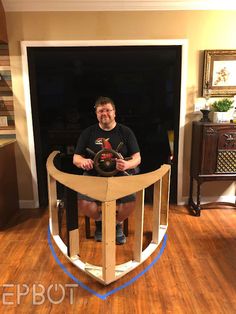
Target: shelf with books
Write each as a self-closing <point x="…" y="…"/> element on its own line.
<point x="7" y="115"/>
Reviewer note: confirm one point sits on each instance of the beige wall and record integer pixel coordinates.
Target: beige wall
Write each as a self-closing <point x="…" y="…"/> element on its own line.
<point x="202" y="29"/>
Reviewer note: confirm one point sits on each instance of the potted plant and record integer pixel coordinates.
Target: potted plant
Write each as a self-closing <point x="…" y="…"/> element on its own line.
<point x="221" y="110"/>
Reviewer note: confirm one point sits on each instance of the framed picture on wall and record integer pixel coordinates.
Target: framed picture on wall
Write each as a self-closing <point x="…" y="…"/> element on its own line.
<point x="219" y="77"/>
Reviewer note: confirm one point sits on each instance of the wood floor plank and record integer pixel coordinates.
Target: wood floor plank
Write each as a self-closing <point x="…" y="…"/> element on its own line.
<point x="195" y="274"/>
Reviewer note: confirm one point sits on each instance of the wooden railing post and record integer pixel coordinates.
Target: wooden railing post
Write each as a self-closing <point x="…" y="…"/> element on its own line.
<point x="138" y="233"/>
<point x="72" y="222"/>
<point x="53" y="211"/>
<point x="156" y="211"/>
<point x="165" y="198"/>
<point x="108" y="240"/>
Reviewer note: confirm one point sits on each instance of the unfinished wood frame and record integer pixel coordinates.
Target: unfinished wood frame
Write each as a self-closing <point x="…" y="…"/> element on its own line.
<point x="108" y="190"/>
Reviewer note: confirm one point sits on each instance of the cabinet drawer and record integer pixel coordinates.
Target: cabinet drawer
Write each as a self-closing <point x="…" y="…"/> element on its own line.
<point x="218" y="149"/>
<point x="226" y="151"/>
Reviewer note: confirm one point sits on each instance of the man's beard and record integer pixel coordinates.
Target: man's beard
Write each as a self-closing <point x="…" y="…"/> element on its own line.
<point x="106" y="120"/>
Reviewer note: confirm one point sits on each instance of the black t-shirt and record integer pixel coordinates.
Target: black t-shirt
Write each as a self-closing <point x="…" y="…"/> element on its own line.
<point x="96" y="139"/>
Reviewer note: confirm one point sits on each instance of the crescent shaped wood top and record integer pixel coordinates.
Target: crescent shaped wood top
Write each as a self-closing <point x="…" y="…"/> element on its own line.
<point x="104" y="189"/>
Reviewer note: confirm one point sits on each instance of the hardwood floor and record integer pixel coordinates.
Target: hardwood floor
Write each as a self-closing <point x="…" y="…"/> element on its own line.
<point x="195" y="274"/>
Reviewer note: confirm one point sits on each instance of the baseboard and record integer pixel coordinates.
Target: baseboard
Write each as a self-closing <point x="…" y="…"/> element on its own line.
<point x="28" y="204"/>
<point x="211" y="199"/>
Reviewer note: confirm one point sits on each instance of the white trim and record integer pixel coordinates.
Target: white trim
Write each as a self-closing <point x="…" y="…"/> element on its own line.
<point x="212" y="199"/>
<point x="92" y="43"/>
<point x="182" y="114"/>
<point x="28" y="204"/>
<point x="30" y="130"/>
<point x="118" y="5"/>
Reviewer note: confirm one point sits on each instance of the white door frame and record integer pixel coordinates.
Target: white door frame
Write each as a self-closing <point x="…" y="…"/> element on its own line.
<point x="86" y="43"/>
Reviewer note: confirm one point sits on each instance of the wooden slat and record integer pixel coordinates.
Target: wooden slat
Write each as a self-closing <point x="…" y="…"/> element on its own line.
<point x="108" y="240"/>
<point x="156" y="210"/>
<point x="52" y="196"/>
<point x="165" y="198"/>
<point x="74" y="242"/>
<point x="138" y="235"/>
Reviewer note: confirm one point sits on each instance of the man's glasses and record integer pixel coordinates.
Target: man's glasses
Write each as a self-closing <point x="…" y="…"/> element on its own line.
<point x="104" y="111"/>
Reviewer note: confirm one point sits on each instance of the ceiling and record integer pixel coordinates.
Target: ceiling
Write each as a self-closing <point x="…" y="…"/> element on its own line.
<point x="116" y="5"/>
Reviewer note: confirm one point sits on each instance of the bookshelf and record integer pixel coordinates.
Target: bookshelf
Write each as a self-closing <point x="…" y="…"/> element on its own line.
<point x="7" y="117"/>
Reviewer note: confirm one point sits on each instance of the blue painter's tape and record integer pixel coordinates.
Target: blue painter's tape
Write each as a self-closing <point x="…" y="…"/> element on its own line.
<point x="104" y="296"/>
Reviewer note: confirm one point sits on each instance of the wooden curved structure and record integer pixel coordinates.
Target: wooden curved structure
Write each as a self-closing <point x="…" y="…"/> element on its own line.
<point x="108" y="190"/>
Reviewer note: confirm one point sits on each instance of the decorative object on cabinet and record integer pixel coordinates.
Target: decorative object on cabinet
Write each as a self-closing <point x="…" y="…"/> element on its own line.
<point x="205" y="113"/>
<point x="213" y="157"/>
<point x="219" y="69"/>
<point x="233" y="118"/>
<point x="222" y="105"/>
<point x="221" y="110"/>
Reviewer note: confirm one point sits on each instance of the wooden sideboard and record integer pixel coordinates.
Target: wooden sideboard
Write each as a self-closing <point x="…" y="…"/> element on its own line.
<point x="9" y="203"/>
<point x="213" y="157"/>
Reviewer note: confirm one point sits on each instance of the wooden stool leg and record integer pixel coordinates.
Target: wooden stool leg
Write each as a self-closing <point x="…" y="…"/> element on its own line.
<point x="72" y="222"/>
<point x="60" y="208"/>
<point x="126" y="227"/>
<point x="87" y="227"/>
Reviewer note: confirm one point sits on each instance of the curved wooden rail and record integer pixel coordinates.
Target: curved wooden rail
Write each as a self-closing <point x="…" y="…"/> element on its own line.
<point x="108" y="190"/>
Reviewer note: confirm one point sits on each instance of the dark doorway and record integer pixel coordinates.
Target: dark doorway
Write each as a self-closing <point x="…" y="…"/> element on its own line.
<point x="143" y="81"/>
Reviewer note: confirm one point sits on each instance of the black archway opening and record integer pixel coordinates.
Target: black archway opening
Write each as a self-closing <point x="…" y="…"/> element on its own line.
<point x="143" y="81"/>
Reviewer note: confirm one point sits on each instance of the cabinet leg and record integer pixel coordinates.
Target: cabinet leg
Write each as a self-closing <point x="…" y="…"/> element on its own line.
<point x="198" y="206"/>
<point x="190" y="200"/>
<point x="195" y="208"/>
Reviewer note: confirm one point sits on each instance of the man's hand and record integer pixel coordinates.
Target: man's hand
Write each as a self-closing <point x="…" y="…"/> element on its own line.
<point x="128" y="163"/>
<point x="83" y="163"/>
<point x="86" y="164"/>
<point x="121" y="164"/>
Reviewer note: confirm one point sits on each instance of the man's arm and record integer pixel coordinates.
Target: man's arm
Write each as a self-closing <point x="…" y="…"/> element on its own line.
<point x="122" y="164"/>
<point x="83" y="163"/>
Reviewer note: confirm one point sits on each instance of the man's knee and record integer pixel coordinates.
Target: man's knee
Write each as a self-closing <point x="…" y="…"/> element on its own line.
<point x="88" y="208"/>
<point x="124" y="210"/>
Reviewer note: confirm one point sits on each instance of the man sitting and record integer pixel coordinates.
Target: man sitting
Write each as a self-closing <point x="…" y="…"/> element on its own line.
<point x="107" y="133"/>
